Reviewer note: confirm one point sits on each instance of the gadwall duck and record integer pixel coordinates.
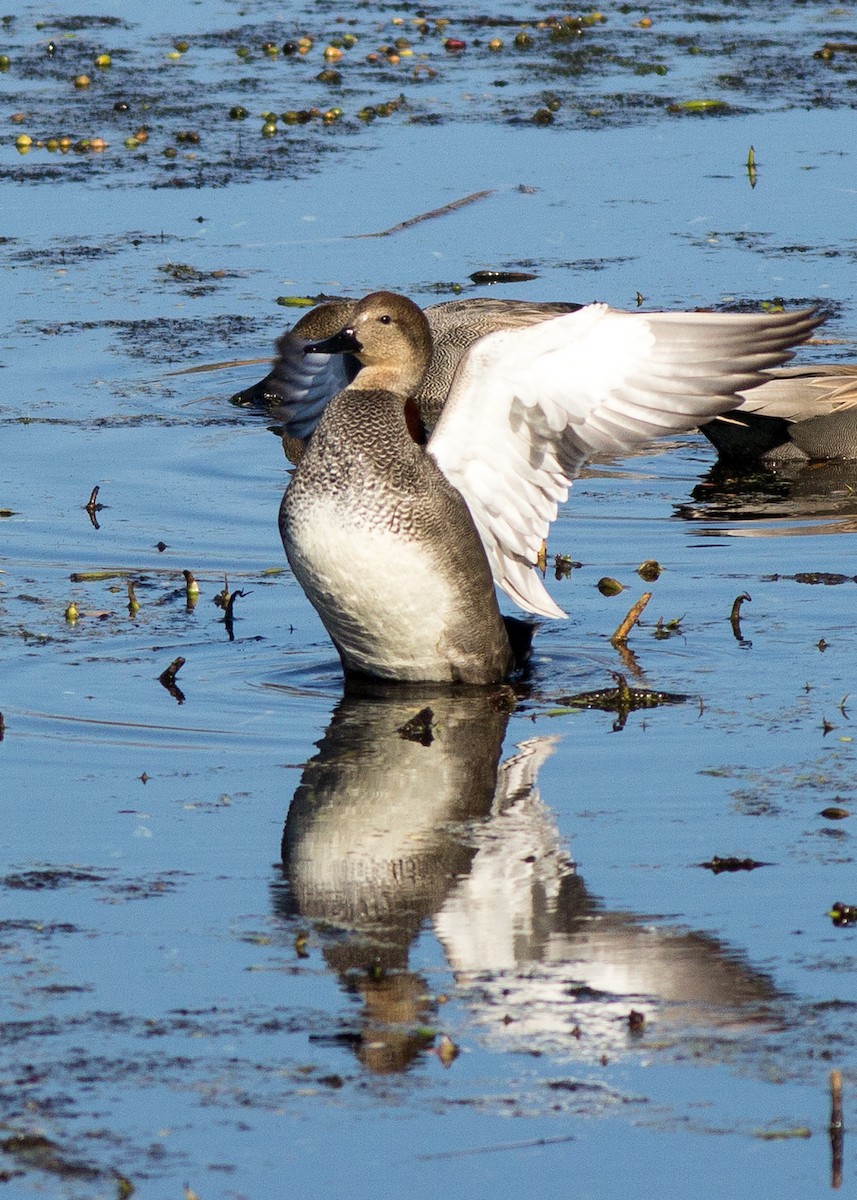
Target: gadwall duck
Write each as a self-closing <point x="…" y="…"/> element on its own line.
<point x="398" y="545"/>
<point x="299" y="385"/>
<point x="802" y="414"/>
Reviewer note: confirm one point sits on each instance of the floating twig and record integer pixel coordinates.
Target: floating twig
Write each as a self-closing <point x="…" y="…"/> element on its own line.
<point x="191" y="590"/>
<point x="837" y="1129"/>
<point x="169" y="675"/>
<point x="751" y="167"/>
<point x="220" y="366"/>
<point x="91" y="507"/>
<point x="429" y="216"/>
<point x="226" y="601"/>
<point x="633" y="615"/>
<point x="735" y="615"/>
<point x="167" y="679"/>
<point x="524" y="1145"/>
<point x="735" y="618"/>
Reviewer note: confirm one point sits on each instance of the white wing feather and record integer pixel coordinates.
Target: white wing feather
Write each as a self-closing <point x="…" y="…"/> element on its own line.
<point x="528" y="406"/>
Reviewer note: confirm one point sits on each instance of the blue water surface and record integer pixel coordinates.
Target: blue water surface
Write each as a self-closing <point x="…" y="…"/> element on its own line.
<point x="187" y="999"/>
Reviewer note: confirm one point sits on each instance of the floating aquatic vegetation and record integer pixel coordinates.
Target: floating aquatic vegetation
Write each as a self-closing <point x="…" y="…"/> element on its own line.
<point x="729" y="865"/>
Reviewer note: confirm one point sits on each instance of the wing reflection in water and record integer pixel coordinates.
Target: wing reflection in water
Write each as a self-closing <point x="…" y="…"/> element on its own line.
<point x="387" y="833"/>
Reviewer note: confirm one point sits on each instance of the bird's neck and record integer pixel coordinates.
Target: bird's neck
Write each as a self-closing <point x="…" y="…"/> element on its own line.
<point x="402" y="379"/>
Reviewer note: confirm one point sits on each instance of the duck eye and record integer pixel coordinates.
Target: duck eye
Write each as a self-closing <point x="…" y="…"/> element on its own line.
<point x="386" y="319"/>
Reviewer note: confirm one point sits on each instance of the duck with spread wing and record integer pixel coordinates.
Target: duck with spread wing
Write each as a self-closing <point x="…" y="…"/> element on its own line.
<point x="398" y="541"/>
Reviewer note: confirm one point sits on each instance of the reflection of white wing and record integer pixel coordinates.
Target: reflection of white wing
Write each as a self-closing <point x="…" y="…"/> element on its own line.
<point x="543" y="968"/>
<point x="527" y="406"/>
<point x="302" y="384"/>
<point x="493" y="919"/>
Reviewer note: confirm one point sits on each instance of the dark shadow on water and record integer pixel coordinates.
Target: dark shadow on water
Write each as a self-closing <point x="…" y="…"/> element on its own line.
<point x="400" y="823"/>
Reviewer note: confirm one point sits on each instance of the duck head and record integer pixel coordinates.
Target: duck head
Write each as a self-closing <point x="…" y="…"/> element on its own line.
<point x="390" y="337"/>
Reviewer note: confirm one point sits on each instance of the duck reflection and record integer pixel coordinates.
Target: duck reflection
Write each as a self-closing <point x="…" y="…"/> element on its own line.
<point x="821" y="494"/>
<point x="399" y="823"/>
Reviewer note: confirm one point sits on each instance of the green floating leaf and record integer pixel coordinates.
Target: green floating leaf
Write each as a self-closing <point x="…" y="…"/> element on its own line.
<point x="96" y="576"/>
<point x="698" y="106"/>
<point x="649" y="570"/>
<point x="296" y="301"/>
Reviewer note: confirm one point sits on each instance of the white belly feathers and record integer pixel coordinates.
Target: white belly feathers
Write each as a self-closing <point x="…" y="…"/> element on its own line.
<point x="381" y="596"/>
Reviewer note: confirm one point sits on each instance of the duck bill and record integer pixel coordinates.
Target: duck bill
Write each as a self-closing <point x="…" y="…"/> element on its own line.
<point x="343" y="342"/>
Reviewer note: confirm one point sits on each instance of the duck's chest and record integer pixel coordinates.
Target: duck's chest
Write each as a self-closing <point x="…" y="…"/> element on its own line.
<point x="367" y="491"/>
<point x="378" y="591"/>
<point x="388" y="555"/>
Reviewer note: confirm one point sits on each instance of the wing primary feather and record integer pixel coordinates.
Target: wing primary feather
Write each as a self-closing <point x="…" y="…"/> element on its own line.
<point x="527" y="406"/>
